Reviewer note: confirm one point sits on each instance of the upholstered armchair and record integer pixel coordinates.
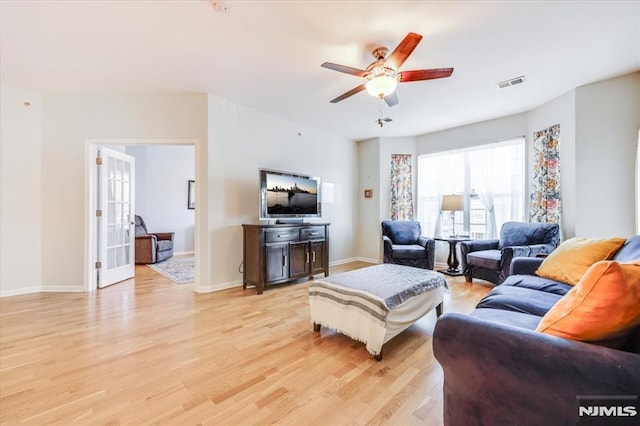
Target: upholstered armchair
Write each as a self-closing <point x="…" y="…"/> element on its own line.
<point x="490" y="259"/>
<point x="404" y="244"/>
<point x="152" y="248"/>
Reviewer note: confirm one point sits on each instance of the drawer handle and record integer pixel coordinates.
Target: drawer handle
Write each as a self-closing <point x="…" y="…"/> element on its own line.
<point x="283" y="235"/>
<point x="314" y="233"/>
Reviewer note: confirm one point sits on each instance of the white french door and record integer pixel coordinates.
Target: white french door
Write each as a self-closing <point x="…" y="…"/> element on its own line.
<point x="115" y="220"/>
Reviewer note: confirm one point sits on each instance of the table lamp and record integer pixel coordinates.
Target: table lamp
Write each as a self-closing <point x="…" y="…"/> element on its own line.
<point x="452" y="203"/>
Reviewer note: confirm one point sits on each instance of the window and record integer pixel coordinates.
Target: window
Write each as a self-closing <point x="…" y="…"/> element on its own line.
<point x="491" y="178"/>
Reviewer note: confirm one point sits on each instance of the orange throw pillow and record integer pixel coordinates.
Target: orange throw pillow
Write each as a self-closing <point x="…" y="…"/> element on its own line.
<point x="572" y="258"/>
<point x="603" y="306"/>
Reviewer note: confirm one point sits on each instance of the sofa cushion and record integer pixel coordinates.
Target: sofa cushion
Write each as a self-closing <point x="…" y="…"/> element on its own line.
<point x="516" y="319"/>
<point x="603" y="307"/>
<point x="489" y="259"/>
<point x="518" y="299"/>
<point x="572" y="258"/>
<point x="630" y="251"/>
<point x="526" y="234"/>
<point x="410" y="251"/>
<point x="537" y="283"/>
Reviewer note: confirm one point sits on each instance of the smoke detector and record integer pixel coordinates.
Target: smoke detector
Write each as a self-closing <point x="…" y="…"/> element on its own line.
<point x="510" y="82"/>
<point x="219" y="6"/>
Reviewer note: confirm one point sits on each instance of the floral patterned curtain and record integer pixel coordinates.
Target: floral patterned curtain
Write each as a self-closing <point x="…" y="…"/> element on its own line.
<point x="545" y="188"/>
<point x="401" y="190"/>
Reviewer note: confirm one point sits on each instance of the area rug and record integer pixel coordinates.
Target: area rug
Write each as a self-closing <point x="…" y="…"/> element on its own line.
<point x="180" y="270"/>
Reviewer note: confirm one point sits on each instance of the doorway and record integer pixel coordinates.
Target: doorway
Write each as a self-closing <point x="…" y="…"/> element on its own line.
<point x="91" y="194"/>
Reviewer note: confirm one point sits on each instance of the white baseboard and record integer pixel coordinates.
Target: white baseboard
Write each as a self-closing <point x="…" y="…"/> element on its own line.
<point x="183" y="253"/>
<point x="20" y="291"/>
<point x="354" y="259"/>
<point x="62" y="289"/>
<point x="219" y="287"/>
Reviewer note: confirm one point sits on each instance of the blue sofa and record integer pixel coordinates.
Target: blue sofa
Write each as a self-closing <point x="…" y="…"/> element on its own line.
<point x="499" y="370"/>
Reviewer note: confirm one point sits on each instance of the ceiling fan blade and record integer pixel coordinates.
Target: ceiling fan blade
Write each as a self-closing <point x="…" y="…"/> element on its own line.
<point x="417" y="75"/>
<point x="345" y="69"/>
<point x="349" y="93"/>
<point x="391" y="99"/>
<point x="402" y="52"/>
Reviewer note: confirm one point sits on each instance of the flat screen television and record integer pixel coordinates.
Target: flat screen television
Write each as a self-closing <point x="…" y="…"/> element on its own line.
<point x="289" y="195"/>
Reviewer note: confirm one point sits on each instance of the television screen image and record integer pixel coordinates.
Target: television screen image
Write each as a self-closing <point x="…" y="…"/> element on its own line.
<point x="291" y="195"/>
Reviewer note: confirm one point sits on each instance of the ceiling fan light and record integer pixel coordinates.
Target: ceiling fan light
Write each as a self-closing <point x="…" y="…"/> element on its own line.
<point x="382" y="85"/>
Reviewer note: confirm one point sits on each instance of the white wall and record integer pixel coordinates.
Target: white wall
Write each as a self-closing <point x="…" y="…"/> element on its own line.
<point x="162" y="173"/>
<point x="368" y="222"/>
<point x="607" y="123"/>
<point x="473" y="134"/>
<point x="562" y="111"/>
<point x="242" y="140"/>
<point x="20" y="191"/>
<point x="69" y="120"/>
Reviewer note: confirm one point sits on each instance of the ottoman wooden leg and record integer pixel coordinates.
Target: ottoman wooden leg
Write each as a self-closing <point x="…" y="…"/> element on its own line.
<point x="316" y="327"/>
<point x="379" y="356"/>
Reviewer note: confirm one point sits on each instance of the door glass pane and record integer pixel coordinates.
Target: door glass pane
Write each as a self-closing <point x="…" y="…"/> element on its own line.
<point x="111" y="235"/>
<point x="111" y="173"/>
<point x="119" y="256"/>
<point x="127" y="172"/>
<point x="118" y="209"/>
<point x="111" y="212"/>
<point x="118" y="193"/>
<point x="127" y="235"/>
<point x="126" y="192"/>
<point x="126" y="254"/>
<point x="126" y="212"/>
<point x="118" y="234"/>
<point x="112" y="190"/>
<point x="110" y="258"/>
<point x="118" y="169"/>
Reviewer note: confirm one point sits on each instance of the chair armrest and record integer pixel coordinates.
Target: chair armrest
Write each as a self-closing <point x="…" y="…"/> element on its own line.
<point x="146" y="248"/>
<point x="425" y="241"/>
<point x="525" y="265"/>
<point x="164" y="235"/>
<point x="496" y="371"/>
<point x="542" y="249"/>
<point x="387" y="242"/>
<point x="477" y="245"/>
<point x="511" y="252"/>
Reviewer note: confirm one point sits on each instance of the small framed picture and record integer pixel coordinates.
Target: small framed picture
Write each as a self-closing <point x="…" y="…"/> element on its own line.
<point x="368" y="193"/>
<point x="191" y="195"/>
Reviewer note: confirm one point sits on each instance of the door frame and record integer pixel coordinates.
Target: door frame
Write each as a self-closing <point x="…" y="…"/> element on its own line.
<point x="91" y="150"/>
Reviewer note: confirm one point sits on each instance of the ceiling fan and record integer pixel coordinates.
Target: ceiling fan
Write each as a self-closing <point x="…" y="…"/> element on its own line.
<point x="383" y="76"/>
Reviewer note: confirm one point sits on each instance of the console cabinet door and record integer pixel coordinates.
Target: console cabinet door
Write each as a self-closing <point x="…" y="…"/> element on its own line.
<point x="317" y="257"/>
<point x="299" y="265"/>
<point x="276" y="262"/>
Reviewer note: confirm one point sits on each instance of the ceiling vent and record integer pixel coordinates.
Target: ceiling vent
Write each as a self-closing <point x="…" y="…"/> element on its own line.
<point x="511" y="82"/>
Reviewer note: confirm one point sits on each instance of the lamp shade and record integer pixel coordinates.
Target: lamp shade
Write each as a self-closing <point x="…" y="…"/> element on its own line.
<point x="454" y="203"/>
<point x="382" y="85"/>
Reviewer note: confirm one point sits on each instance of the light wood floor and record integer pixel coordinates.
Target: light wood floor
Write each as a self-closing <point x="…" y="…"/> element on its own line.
<point x="150" y="351"/>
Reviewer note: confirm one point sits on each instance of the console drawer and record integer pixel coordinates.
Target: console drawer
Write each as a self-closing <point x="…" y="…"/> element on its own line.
<point x="312" y="233"/>
<point x="279" y="235"/>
